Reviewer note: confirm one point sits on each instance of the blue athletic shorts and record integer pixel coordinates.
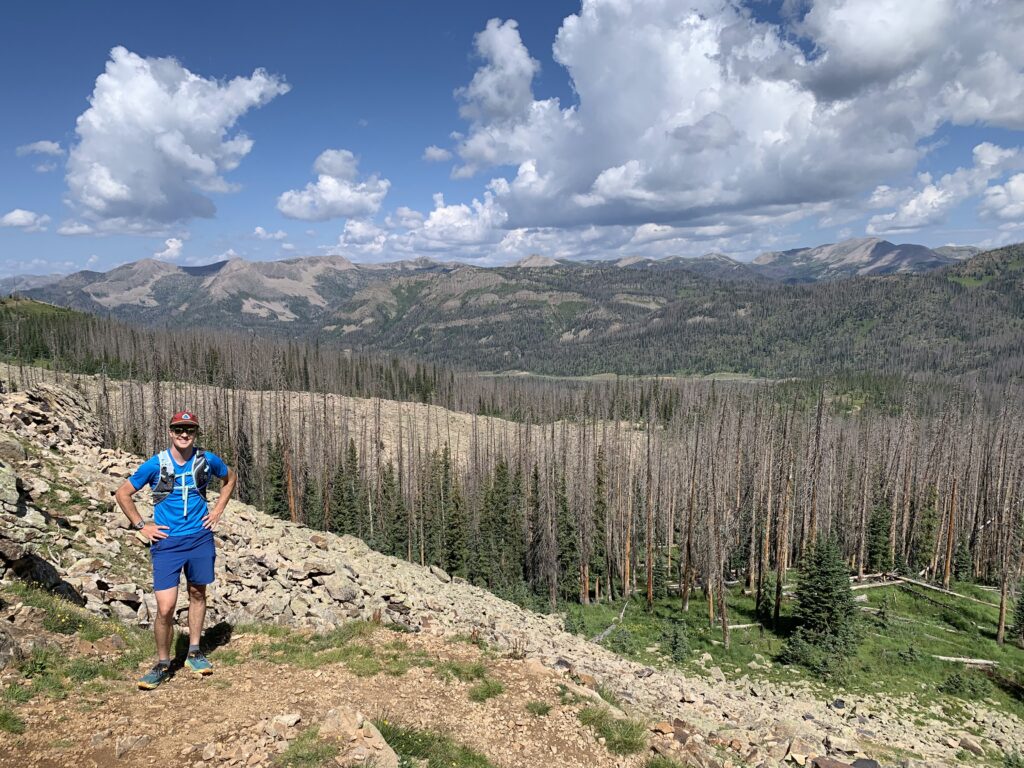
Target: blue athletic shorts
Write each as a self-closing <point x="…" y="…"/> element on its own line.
<point x="195" y="554"/>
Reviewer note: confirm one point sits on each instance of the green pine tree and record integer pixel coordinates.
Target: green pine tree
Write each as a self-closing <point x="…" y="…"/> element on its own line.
<point x="924" y="541"/>
<point x="275" y="498"/>
<point x="1018" y="616"/>
<point x="312" y="502"/>
<point x="826" y="616"/>
<point x="660" y="574"/>
<point x="878" y="540"/>
<point x="962" y="563"/>
<point x="246" y="488"/>
<point x="568" y="545"/>
<point x="457" y="557"/>
<point x="346" y="494"/>
<point x="394" y="539"/>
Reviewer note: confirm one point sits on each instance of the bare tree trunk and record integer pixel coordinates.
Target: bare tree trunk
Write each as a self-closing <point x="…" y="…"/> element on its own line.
<point x="684" y="586"/>
<point x="649" y="524"/>
<point x="783" y="550"/>
<point x="948" y="566"/>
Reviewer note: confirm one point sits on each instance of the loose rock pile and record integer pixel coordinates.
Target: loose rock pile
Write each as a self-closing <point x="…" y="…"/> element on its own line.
<point x="51" y="460"/>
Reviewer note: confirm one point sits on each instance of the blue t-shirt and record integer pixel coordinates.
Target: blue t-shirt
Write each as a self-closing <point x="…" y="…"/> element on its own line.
<point x="180" y="519"/>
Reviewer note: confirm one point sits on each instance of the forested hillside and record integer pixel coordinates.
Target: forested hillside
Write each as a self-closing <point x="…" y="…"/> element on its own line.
<point x="646" y="317"/>
<point x="582" y="492"/>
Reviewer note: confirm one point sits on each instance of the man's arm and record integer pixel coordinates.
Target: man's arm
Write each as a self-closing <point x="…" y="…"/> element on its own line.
<point x="124" y="499"/>
<point x="228" y="488"/>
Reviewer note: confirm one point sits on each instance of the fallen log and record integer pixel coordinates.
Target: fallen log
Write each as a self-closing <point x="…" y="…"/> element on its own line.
<point x="872" y="585"/>
<point x="607" y="631"/>
<point x="926" y="585"/>
<point x="968" y="662"/>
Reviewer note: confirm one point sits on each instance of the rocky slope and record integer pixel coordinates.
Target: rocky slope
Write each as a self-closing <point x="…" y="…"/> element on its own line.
<point x="59" y="527"/>
<point x="864" y="256"/>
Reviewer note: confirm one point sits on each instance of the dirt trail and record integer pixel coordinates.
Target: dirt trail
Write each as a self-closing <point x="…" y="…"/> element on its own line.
<point x="224" y="719"/>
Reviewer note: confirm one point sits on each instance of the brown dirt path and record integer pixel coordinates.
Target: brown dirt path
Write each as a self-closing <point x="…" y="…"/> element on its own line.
<point x="223" y="720"/>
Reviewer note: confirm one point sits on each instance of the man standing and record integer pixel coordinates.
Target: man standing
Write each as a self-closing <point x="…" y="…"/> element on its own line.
<point x="180" y="535"/>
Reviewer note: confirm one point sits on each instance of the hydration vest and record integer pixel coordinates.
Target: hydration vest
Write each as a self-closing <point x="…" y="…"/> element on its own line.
<point x="200" y="474"/>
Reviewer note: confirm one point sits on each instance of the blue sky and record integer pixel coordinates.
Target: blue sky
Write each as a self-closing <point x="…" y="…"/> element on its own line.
<point x="486" y="131"/>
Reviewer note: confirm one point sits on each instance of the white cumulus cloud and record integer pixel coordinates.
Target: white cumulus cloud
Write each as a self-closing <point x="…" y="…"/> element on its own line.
<point x="157" y="139"/>
<point x="1005" y="202"/>
<point x="686" y="113"/>
<point x="337" y="192"/>
<point x="936" y="198"/>
<point x="172" y="250"/>
<point x="436" y="154"/>
<point x="262" y="234"/>
<point x="27" y="221"/>
<point x="72" y="228"/>
<point x="40" y="148"/>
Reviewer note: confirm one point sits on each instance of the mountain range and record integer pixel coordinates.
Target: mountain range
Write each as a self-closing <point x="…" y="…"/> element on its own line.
<point x="863" y="256"/>
<point x="670" y="315"/>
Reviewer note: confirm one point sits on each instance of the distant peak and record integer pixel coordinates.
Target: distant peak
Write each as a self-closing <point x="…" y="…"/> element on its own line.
<point x="536" y="260"/>
<point x="629" y="261"/>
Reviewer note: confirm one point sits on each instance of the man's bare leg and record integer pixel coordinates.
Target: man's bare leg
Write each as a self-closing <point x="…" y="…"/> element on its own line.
<point x="163" y="624"/>
<point x="196" y="612"/>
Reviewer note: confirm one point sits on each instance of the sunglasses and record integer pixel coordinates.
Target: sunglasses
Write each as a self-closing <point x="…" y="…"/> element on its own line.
<point x="184" y="430"/>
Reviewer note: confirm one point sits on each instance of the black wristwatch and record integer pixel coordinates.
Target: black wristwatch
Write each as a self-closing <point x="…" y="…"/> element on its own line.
<point x="139" y="525"/>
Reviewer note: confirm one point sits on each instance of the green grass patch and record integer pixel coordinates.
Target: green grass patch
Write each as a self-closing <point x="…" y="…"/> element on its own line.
<point x="16" y="694"/>
<point x="899" y="639"/>
<point x="438" y="750"/>
<point x="82" y="670"/>
<point x="466" y="671"/>
<point x="312" y="651"/>
<point x="486" y="689"/>
<point x="396" y="666"/>
<point x="61" y="616"/>
<point x="307" y="751"/>
<point x="64" y="617"/>
<point x="266" y="630"/>
<point x="622" y="736"/>
<point x="608" y="695"/>
<point x="229" y="657"/>
<point x="660" y="761"/>
<point x="10" y="722"/>
<point x="538" y="708"/>
<point x="363" y="666"/>
<point x="471" y="639"/>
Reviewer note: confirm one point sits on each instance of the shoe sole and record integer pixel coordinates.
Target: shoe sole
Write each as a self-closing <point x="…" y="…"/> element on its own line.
<point x="149" y="686"/>
<point x="200" y="672"/>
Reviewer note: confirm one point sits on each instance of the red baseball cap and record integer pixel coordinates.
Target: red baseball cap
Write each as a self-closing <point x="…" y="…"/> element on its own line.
<point x="185" y="418"/>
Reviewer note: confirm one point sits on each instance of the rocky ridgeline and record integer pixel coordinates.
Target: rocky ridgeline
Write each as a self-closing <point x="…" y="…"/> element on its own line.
<point x="268" y="570"/>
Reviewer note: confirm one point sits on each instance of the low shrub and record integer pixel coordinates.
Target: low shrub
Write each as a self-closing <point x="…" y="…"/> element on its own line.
<point x="826" y="657"/>
<point x="622" y="736"/>
<point x="307" y="751"/>
<point x="416" y="747"/>
<point x="661" y="761"/>
<point x="466" y="671"/>
<point x="10" y="722"/>
<point x="965" y="685"/>
<point x="538" y="708"/>
<point x="486" y="689"/>
<point x="959" y="621"/>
